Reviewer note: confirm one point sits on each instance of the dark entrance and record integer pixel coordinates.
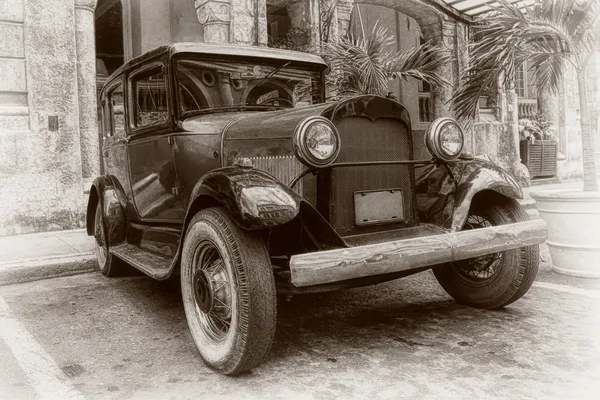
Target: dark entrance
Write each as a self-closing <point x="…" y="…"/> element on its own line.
<point x="109" y="49"/>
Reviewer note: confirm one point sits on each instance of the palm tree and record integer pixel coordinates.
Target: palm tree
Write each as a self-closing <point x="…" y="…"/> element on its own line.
<point x="364" y="65"/>
<point x="549" y="35"/>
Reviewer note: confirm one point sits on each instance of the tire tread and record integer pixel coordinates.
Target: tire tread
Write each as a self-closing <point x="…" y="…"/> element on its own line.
<point x="527" y="260"/>
<point x="258" y="305"/>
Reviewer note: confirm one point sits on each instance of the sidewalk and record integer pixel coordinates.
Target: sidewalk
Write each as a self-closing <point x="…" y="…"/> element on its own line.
<point x="45" y="255"/>
<point x="35" y="256"/>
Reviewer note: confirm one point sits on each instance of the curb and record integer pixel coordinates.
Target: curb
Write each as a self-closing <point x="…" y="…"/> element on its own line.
<point x="35" y="269"/>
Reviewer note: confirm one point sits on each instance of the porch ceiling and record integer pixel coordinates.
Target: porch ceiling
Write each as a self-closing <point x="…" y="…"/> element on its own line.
<point x="474" y="8"/>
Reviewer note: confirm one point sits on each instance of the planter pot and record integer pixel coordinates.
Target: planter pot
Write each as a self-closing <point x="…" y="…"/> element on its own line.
<point x="539" y="157"/>
<point x="573" y="219"/>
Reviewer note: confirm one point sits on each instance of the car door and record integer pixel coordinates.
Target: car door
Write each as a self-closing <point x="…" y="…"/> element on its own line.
<point x="114" y="143"/>
<point x="154" y="181"/>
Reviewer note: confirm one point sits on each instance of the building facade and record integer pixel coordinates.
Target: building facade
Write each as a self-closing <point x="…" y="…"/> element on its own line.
<point x="57" y="53"/>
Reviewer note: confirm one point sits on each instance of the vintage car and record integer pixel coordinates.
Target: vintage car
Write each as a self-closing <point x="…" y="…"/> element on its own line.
<point x="224" y="165"/>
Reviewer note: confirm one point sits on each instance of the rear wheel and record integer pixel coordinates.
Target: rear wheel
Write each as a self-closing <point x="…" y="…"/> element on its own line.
<point x="228" y="291"/>
<point x="494" y="280"/>
<point x="109" y="265"/>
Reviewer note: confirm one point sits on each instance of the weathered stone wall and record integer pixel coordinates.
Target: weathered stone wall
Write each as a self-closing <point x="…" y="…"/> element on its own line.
<point x="344" y="13"/>
<point x="41" y="167"/>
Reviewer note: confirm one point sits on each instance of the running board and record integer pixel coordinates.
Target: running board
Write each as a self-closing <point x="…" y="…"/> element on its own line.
<point x="151" y="264"/>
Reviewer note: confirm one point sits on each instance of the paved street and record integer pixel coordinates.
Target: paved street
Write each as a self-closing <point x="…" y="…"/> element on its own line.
<point x="91" y="337"/>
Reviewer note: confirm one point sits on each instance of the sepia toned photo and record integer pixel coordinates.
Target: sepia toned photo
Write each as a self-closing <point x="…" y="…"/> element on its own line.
<point x="299" y="199"/>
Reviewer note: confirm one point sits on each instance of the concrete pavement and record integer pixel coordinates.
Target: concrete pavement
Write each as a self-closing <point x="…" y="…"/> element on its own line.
<point x="127" y="338"/>
<point x="30" y="257"/>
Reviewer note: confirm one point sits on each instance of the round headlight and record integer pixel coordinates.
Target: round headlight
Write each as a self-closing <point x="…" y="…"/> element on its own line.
<point x="445" y="139"/>
<point x="316" y="142"/>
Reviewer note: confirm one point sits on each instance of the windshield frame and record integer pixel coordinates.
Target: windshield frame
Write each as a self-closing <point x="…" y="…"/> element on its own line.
<point x="180" y="114"/>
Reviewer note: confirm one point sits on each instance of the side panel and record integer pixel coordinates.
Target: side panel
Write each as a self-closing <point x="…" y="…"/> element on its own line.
<point x="154" y="179"/>
<point x="445" y="192"/>
<point x="195" y="155"/>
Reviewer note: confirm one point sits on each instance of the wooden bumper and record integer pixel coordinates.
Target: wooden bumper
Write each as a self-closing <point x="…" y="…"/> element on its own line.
<point x="402" y="255"/>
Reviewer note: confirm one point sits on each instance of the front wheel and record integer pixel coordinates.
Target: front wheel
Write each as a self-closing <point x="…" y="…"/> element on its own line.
<point x="494" y="280"/>
<point x="228" y="291"/>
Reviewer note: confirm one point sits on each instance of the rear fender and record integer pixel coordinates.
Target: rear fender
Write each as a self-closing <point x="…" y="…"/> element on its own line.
<point x="113" y="202"/>
<point x="445" y="192"/>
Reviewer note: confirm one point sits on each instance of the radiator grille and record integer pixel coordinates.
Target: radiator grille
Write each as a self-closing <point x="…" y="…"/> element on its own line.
<point x="284" y="168"/>
<point x="366" y="140"/>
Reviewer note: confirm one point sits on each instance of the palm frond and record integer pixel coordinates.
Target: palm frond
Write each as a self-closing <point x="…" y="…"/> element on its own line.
<point x="360" y="63"/>
<point x="547" y="35"/>
<point x="365" y="65"/>
<point x="421" y="62"/>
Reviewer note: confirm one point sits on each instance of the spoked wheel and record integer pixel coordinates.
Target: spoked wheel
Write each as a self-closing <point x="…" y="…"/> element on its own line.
<point x="228" y="292"/>
<point x="213" y="292"/>
<point x="478" y="271"/>
<point x="498" y="279"/>
<point x="108" y="264"/>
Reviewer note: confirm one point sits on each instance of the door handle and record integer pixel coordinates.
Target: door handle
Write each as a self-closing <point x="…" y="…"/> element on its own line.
<point x="122" y="140"/>
<point x="105" y="153"/>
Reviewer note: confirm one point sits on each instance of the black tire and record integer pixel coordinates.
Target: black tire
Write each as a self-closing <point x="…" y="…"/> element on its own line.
<point x="508" y="274"/>
<point x="228" y="291"/>
<point x="109" y="264"/>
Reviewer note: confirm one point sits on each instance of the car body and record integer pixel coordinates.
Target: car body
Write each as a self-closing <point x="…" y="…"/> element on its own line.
<point x="225" y="165"/>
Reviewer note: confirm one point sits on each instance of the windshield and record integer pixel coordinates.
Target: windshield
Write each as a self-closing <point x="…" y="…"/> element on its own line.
<point x="218" y="85"/>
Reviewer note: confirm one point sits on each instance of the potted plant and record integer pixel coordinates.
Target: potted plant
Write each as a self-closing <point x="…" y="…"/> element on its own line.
<point x="538" y="146"/>
<point x="549" y="34"/>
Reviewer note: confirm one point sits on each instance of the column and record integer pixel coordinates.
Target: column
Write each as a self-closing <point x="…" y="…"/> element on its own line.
<point x="548" y="105"/>
<point x="86" y="89"/>
<point x="509" y="147"/>
<point x="442" y="95"/>
<point x="233" y="21"/>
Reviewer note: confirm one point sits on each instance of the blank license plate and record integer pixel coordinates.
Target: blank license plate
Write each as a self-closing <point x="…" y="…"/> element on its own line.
<point x="378" y="207"/>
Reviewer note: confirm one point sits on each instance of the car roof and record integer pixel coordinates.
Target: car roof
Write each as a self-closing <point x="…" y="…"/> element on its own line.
<point x="259" y="52"/>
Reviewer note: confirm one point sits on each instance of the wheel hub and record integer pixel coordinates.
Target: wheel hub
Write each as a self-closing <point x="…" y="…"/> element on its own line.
<point x="203" y="291"/>
<point x="484" y="267"/>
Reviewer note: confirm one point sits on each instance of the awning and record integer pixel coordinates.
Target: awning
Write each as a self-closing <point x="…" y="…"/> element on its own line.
<point x="474" y="8"/>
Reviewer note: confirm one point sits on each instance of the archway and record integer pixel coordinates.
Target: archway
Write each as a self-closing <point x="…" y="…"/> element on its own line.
<point x="437" y="30"/>
<point x="426" y="16"/>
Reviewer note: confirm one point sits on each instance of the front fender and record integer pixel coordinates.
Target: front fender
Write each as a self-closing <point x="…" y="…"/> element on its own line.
<point x="445" y="192"/>
<point x="106" y="191"/>
<point x="255" y="199"/>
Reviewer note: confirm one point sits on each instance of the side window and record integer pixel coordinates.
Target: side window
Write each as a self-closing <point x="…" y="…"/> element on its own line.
<point x="116" y="112"/>
<point x="149" y="89"/>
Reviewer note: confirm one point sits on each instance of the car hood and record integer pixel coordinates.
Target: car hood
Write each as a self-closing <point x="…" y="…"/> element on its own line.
<point x="252" y="124"/>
